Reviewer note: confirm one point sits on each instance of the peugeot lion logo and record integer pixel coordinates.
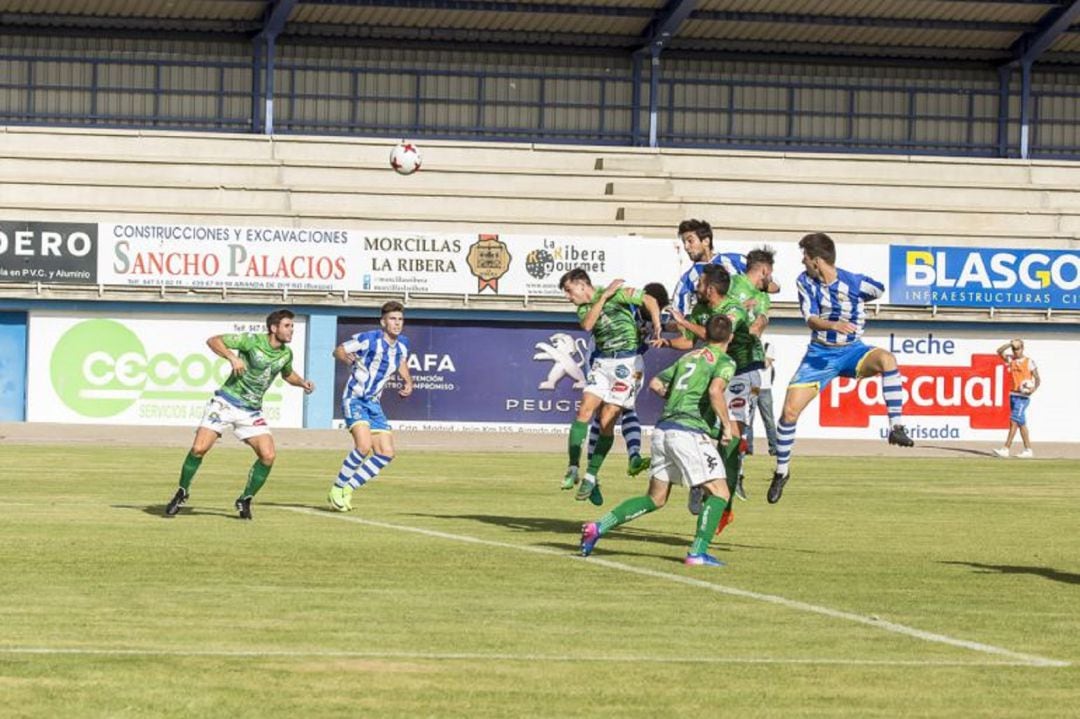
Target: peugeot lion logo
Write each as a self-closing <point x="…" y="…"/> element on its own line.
<point x="567" y="356"/>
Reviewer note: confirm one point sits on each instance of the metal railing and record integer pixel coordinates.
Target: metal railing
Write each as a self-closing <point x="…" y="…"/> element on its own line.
<point x="845" y="116"/>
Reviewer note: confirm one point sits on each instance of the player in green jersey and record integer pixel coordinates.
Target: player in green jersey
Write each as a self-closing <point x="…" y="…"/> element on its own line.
<point x="257" y="360"/>
<point x="683" y="443"/>
<point x="713" y="299"/>
<point x="615" y="372"/>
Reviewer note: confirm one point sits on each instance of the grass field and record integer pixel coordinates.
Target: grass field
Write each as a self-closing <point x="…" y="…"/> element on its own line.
<point x="876" y="588"/>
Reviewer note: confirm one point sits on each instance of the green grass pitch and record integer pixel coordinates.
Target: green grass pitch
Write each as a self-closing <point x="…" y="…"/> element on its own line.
<point x="452" y="590"/>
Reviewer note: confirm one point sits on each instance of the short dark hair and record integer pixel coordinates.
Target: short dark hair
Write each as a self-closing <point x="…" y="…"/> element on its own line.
<point x="274" y="318"/>
<point x="658" y="292"/>
<point x="572" y="276"/>
<point x="701" y="228"/>
<point x="819" y="245"/>
<point x="718" y="328"/>
<point x="392" y="306"/>
<point x="716" y="276"/>
<point x="763" y="255"/>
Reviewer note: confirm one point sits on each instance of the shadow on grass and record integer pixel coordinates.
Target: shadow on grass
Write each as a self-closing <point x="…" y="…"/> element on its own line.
<point x="960" y="450"/>
<point x="158" y="510"/>
<point x="549" y="525"/>
<point x="1046" y="572"/>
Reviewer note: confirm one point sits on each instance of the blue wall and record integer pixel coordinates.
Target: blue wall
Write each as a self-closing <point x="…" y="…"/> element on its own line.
<point x="12" y="366"/>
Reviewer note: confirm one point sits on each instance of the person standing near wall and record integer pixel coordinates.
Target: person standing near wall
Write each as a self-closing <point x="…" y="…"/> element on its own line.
<point x="1024" y="378"/>
<point x="763" y="403"/>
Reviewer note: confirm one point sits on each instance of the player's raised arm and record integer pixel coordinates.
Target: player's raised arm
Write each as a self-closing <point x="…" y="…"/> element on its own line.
<point x="218" y="346"/>
<point x="593" y="315"/>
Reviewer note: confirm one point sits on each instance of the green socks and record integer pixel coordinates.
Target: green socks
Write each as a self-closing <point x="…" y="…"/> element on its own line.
<point x="579" y="431"/>
<point x="603" y="446"/>
<point x="729" y="455"/>
<point x="707" y="522"/>
<point x="256" y="478"/>
<point x="629" y="510"/>
<point x="187" y="472"/>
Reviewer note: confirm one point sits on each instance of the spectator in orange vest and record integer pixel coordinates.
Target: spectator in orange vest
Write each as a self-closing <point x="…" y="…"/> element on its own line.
<point x="1024" y="380"/>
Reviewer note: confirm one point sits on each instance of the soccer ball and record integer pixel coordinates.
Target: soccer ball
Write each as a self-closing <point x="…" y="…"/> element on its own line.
<point x="405" y="158"/>
<point x="1027" y="386"/>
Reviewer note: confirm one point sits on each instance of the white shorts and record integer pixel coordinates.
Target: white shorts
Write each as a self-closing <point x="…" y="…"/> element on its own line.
<point x="738" y="396"/>
<point x="245" y="423"/>
<point x="684" y="457"/>
<point x="616" y="381"/>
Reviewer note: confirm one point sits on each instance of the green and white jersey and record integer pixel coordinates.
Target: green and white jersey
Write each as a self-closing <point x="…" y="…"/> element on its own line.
<point x="741" y="347"/>
<point x="263" y="364"/>
<point x="688" y="380"/>
<point x="742" y="290"/>
<point x="616" y="330"/>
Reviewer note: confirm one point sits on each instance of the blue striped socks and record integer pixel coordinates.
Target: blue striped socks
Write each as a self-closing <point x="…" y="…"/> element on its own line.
<point x="893" y="390"/>
<point x="631" y="432"/>
<point x="348" y="468"/>
<point x="369" y="470"/>
<point x="785" y="440"/>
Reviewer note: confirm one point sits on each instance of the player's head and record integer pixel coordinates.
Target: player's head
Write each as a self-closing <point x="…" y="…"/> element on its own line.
<point x="713" y="283"/>
<point x="718" y="329"/>
<point x="658" y="292"/>
<point x="577" y="286"/>
<point x="279" y="324"/>
<point x="1017" y="347"/>
<point x="696" y="236"/>
<point x="818" y="251"/>
<point x="393" y="318"/>
<point x="759" y="266"/>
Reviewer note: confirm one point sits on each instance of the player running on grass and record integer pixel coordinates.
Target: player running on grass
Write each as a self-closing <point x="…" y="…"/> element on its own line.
<point x="256" y="359"/>
<point x="615" y="372"/>
<point x="833" y="303"/>
<point x="373" y="357"/>
<point x="684" y="443"/>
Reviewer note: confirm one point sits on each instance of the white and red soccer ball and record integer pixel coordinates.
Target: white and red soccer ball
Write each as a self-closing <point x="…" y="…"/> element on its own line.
<point x="405" y="158"/>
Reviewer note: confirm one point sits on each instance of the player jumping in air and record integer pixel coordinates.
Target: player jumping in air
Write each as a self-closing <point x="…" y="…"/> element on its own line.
<point x="615" y="373"/>
<point x="833" y="302"/>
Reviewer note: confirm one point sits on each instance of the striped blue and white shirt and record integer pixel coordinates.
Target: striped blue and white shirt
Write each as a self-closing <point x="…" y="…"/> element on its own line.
<point x="844" y="299"/>
<point x="376" y="361"/>
<point x="685" y="295"/>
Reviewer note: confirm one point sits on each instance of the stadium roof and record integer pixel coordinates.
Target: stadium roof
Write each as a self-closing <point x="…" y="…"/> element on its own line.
<point x="987" y="32"/>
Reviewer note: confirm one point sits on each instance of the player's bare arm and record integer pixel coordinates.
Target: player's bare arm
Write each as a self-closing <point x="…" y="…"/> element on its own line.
<point x="591" y="317"/>
<point x="341" y="355"/>
<point x="719" y="405"/>
<point x="653" y="308"/>
<point x="659" y="386"/>
<point x="217" y="346"/>
<point x="407" y="386"/>
<point x="757" y="327"/>
<point x="297" y="381"/>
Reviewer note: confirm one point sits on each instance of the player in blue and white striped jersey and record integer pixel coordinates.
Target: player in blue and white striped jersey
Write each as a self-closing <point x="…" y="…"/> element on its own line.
<point x="833" y="303"/>
<point x="697" y="239"/>
<point x="373" y="357"/>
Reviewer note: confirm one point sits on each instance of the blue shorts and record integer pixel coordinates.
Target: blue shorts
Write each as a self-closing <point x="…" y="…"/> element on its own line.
<point x="1018" y="405"/>
<point x="368" y="411"/>
<point x="822" y="363"/>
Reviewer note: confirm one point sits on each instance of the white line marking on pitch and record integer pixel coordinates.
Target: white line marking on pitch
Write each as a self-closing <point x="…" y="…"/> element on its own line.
<point x="469" y="656"/>
<point x="1026" y="659"/>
